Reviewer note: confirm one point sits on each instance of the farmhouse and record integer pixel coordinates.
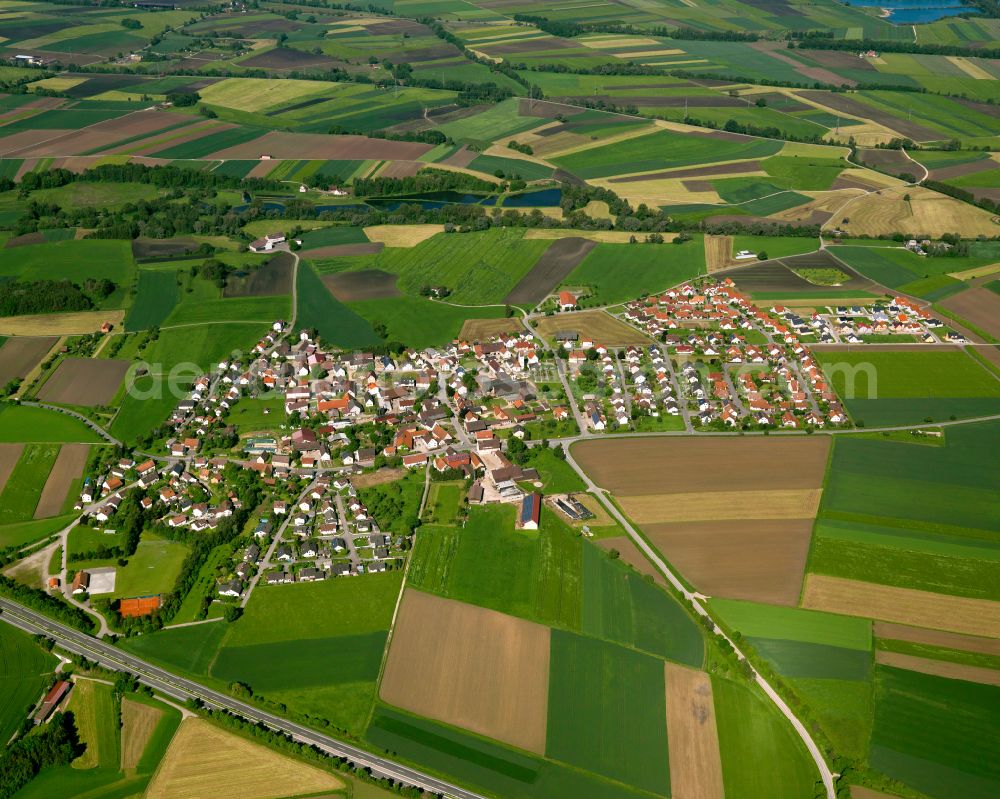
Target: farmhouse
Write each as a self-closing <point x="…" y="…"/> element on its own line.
<point x="267" y="243"/>
<point x="567" y="301"/>
<point x="51" y="700"/>
<point x="531" y="508"/>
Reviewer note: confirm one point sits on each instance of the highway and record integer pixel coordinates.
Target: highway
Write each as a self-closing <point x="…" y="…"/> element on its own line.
<point x="183" y="689"/>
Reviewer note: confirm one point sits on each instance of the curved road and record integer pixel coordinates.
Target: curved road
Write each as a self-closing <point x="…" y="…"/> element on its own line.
<point x="184" y="689"/>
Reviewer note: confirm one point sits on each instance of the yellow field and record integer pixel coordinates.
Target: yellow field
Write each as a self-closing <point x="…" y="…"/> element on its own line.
<point x="59" y="324"/>
<point x="204" y="761"/>
<point x="602" y="327"/>
<point x="612" y="41"/>
<point x="969" y="68"/>
<point x="402" y="235"/>
<point x="925" y="213"/>
<point x="902" y="605"/>
<point x="485" y="329"/>
<point x="718" y="252"/>
<point x="138" y="723"/>
<point x="57" y="84"/>
<point x="256" y="94"/>
<point x="939" y="668"/>
<point x="605" y="236"/>
<point x="723" y="505"/>
<point x="664" y="191"/>
<point x="692" y="737"/>
<point x="979" y="271"/>
<point x="810" y="150"/>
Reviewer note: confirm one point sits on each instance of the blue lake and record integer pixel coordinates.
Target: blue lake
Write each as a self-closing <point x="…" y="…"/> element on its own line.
<point x="544" y="198"/>
<point x="912" y="12"/>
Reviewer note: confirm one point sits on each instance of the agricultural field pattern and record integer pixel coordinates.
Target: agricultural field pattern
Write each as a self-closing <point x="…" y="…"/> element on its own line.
<point x="500" y="400"/>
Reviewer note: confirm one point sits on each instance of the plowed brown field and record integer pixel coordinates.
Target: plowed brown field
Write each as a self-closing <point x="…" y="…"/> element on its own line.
<point x="471" y="667"/>
<point x="692" y="737"/>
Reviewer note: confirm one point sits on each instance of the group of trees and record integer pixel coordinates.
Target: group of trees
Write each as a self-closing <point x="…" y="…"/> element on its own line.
<point x="57" y="743"/>
<point x="43" y="602"/>
<point x="427" y="180"/>
<point x="47" y="296"/>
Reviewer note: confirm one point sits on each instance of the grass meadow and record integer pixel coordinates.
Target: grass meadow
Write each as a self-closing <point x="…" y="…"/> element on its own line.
<point x="24" y="486"/>
<point x="24" y="674"/>
<point x="911" y="387"/>
<point x="607" y="711"/>
<point x="620" y="605"/>
<point x="157" y="295"/>
<point x="618" y="272"/>
<point x="335" y="322"/>
<point x="938" y="735"/>
<point x="533" y="575"/>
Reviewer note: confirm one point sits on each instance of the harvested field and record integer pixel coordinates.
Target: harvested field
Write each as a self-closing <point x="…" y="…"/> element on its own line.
<point x="602" y="327"/>
<point x="630" y="467"/>
<point x="485" y="329"/>
<point x="939" y="668"/>
<point x="402" y="235"/>
<point x="601" y="236"/>
<point x="379" y="477"/>
<point x="9" y="455"/>
<point x="714" y="170"/>
<point x="318" y="146"/>
<point x="894" y="162"/>
<point x="550" y="270"/>
<point x="979" y="617"/>
<point x="692" y="737"/>
<point x="462" y="157"/>
<point x="919" y="635"/>
<point x="288" y="58"/>
<point x="157" y="249"/>
<point x="138" y="722"/>
<point x="368" y="284"/>
<point x="980" y="306"/>
<point x="198" y="130"/>
<point x="926" y="213"/>
<point x="272" y="279"/>
<point x="776" y="503"/>
<point x="401" y="169"/>
<point x="203" y="760"/>
<point x="19" y="355"/>
<point x="341" y="250"/>
<point x="471" y="667"/>
<point x="760" y="560"/>
<point x="23" y="141"/>
<point x="69" y="466"/>
<point x="61" y="324"/>
<point x="816" y="74"/>
<point x="101" y="135"/>
<point x="630" y="554"/>
<point x="718" y="253"/>
<point x="84" y="381"/>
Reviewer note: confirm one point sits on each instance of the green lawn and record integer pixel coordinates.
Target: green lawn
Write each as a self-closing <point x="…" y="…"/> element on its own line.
<point x="616" y="273"/>
<point x="253" y="414"/>
<point x="24" y="486"/>
<point x="22" y="533"/>
<point x="153" y="569"/>
<point x="444" y="502"/>
<point x="534" y="575"/>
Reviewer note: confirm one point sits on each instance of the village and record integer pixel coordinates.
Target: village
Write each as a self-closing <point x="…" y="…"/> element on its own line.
<point x="469" y="411"/>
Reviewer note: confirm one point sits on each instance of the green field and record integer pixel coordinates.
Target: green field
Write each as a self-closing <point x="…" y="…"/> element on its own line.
<point x="534" y="575"/>
<point x="104" y="195"/>
<point x="157" y="295"/>
<point x="937" y="735"/>
<point x="200" y="347"/>
<point x="621" y="605"/>
<point x="479" y="268"/>
<point x="660" y="150"/>
<point x="336" y="323"/>
<point x="607" y="711"/>
<point x="252" y="414"/>
<point x="756" y="620"/>
<point x="761" y="755"/>
<point x="413" y="321"/>
<point x="615" y="273"/>
<point x="25" y="671"/>
<point x="443" y="503"/>
<point x="892" y="388"/>
<point x="24" y="486"/>
<point x="74" y="261"/>
<point x="315" y="647"/>
<point x="20" y="534"/>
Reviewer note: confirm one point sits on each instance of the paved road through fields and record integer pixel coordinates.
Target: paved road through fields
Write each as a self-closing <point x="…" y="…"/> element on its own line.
<point x="182" y="689"/>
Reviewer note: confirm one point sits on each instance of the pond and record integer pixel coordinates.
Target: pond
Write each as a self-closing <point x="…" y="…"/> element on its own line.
<point x="912" y="12"/>
<point x="543" y="198"/>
